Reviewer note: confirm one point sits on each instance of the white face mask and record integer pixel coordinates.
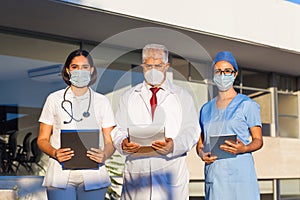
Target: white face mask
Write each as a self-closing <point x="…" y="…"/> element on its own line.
<point x="223" y="82"/>
<point x="154" y="76"/>
<point x="80" y="78"/>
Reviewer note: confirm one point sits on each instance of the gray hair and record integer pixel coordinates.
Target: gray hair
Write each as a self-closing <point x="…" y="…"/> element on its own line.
<point x="155" y="51"/>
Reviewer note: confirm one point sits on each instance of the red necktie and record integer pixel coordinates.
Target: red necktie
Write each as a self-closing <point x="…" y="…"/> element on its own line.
<point x="153" y="100"/>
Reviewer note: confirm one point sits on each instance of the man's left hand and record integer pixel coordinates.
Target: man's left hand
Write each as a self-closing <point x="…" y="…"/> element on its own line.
<point x="163" y="147"/>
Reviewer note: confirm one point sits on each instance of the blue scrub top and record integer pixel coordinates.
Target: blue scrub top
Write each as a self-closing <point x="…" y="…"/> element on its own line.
<point x="231" y="178"/>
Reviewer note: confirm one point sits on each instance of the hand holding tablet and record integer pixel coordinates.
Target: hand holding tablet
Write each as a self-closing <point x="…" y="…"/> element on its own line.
<point x="217" y="140"/>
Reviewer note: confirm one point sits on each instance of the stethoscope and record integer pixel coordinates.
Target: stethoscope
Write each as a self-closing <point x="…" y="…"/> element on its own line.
<point x="85" y="114"/>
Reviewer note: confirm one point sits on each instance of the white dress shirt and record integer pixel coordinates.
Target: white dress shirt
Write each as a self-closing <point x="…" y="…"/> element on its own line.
<point x="162" y="177"/>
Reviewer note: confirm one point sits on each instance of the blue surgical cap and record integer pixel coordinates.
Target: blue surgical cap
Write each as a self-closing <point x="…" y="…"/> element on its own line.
<point x="226" y="56"/>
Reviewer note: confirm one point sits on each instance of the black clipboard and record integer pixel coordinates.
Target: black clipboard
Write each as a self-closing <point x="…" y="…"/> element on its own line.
<point x="216" y="141"/>
<point x="80" y="141"/>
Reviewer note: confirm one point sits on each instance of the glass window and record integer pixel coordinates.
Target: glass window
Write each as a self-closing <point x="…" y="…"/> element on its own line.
<point x="30" y="70"/>
<point x="286" y="83"/>
<point x="184" y="70"/>
<point x="263" y="98"/>
<point x="290" y="189"/>
<point x="122" y="73"/>
<point x="288" y="115"/>
<point x="253" y="79"/>
<point x="180" y="69"/>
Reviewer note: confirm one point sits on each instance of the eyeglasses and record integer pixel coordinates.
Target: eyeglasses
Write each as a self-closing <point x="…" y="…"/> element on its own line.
<point x="226" y="72"/>
<point x="150" y="66"/>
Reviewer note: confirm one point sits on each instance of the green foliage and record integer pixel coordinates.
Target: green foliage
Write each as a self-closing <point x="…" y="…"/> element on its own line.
<point x="115" y="170"/>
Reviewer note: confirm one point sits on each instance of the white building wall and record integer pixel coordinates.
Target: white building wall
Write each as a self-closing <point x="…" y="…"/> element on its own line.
<point x="268" y="22"/>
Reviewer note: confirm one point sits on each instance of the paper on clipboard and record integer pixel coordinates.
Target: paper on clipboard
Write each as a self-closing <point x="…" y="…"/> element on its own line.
<point x="145" y="135"/>
<point x="216" y="141"/>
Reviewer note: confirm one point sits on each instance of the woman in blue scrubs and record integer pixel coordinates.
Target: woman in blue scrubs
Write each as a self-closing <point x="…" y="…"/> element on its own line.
<point x="234" y="177"/>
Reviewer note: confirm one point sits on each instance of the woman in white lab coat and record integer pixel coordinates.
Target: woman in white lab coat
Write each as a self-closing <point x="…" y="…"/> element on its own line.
<point x="76" y="107"/>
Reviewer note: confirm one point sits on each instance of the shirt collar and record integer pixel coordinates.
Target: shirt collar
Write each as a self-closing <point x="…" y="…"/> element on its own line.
<point x="70" y="94"/>
<point x="166" y="86"/>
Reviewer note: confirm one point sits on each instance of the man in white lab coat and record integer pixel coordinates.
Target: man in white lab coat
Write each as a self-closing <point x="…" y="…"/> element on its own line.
<point x="165" y="176"/>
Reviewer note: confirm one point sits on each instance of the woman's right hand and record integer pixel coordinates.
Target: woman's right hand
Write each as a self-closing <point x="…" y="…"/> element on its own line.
<point x="207" y="157"/>
<point x="64" y="154"/>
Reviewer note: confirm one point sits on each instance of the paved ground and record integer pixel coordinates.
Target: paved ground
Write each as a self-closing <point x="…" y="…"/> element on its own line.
<point x="25" y="187"/>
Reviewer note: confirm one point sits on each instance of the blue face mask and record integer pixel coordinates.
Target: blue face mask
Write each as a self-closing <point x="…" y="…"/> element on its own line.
<point x="223" y="82"/>
<point x="80" y="78"/>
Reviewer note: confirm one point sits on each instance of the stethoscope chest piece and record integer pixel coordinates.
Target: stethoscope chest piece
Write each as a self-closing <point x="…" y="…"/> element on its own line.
<point x="86" y="114"/>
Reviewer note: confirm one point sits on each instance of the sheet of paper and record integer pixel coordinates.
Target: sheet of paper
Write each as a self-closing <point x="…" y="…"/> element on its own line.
<point x="146" y="134"/>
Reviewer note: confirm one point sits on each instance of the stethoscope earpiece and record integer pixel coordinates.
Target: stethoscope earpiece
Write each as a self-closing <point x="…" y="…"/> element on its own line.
<point x="85" y="114"/>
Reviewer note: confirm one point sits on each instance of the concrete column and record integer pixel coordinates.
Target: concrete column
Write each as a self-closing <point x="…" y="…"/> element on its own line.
<point x="274" y="105"/>
<point x="274" y="108"/>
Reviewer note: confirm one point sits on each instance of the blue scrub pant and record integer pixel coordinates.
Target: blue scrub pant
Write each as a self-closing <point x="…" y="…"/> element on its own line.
<point x="75" y="193"/>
